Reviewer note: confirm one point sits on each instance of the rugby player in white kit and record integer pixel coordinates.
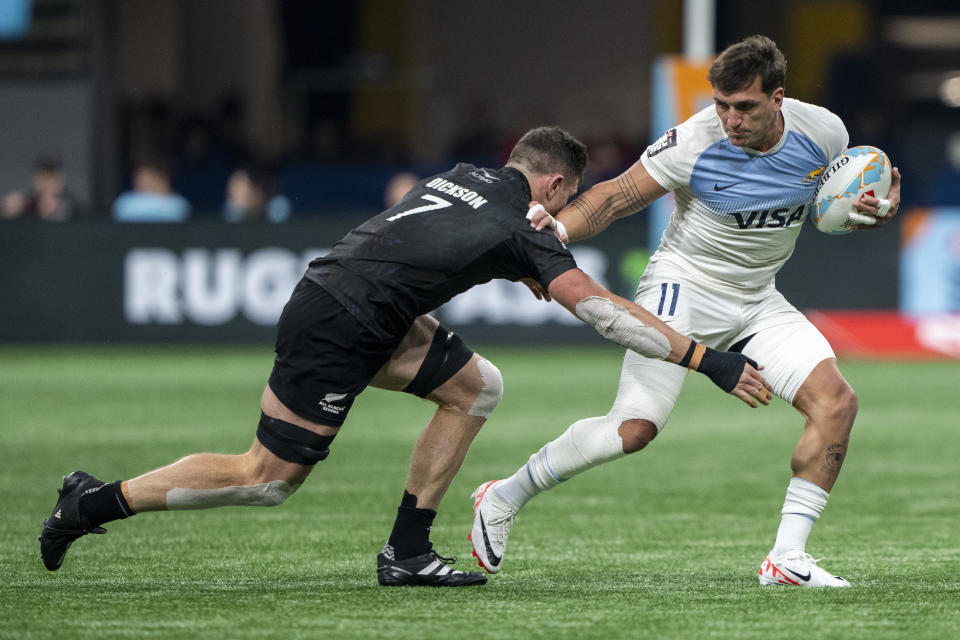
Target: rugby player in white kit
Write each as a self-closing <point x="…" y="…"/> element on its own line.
<point x="743" y="173"/>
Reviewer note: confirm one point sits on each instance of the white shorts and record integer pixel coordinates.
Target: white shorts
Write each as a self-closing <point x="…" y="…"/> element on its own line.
<point x="784" y="341"/>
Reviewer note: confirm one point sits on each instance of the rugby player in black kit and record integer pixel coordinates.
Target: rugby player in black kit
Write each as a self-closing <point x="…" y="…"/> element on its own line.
<point x="358" y="318"/>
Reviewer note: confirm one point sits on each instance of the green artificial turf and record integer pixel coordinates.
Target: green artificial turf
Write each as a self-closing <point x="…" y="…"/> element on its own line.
<point x="662" y="544"/>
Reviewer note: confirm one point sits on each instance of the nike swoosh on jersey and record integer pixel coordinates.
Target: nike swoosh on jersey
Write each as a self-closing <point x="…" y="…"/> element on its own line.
<point x="717" y="187"/>
<point x="495" y="559"/>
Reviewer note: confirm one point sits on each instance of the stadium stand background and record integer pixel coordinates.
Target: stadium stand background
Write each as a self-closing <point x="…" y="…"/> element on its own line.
<point x="336" y="98"/>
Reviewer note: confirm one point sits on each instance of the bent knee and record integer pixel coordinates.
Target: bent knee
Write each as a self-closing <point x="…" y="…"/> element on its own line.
<point x="838" y="407"/>
<point x="636" y="434"/>
<point x="475" y="390"/>
<point x="490" y="392"/>
<point x="850" y="403"/>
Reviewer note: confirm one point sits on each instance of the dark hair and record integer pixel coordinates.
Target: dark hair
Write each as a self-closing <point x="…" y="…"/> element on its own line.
<point x="550" y="149"/>
<point x="261" y="176"/>
<point x="154" y="163"/>
<point x="48" y="162"/>
<point x="740" y="63"/>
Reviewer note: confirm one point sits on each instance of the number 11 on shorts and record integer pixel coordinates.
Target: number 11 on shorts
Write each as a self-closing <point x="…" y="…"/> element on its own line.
<point x="673" y="299"/>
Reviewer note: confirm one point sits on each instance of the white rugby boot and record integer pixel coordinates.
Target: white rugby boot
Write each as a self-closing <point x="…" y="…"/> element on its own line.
<point x="492" y="519"/>
<point x="798" y="569"/>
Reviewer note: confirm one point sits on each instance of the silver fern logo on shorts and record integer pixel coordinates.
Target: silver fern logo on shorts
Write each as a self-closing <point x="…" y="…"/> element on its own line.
<point x="329" y="403"/>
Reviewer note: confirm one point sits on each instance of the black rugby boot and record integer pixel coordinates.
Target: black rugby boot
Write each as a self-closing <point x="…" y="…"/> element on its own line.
<point x="65" y="523"/>
<point x="428" y="570"/>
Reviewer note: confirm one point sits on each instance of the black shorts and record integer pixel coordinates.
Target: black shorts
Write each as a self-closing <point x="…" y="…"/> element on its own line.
<point x="325" y="357"/>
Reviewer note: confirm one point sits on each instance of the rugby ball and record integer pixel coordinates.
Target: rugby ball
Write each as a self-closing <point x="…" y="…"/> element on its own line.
<point x="856" y="172"/>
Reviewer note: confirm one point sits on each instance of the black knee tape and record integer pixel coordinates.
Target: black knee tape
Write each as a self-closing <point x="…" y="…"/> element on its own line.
<point x="292" y="443"/>
<point x="446" y="356"/>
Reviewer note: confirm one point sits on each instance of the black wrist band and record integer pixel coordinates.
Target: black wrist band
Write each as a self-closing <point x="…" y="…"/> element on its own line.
<point x="686" y="359"/>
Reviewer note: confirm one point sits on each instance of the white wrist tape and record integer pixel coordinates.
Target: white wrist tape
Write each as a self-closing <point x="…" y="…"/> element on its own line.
<point x="615" y="323"/>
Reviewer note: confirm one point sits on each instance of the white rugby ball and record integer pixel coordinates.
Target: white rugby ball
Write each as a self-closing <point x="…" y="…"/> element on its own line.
<point x="856" y="172"/>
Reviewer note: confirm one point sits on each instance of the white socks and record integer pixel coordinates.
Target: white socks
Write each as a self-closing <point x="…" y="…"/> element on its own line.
<point x="801" y="508"/>
<point x="585" y="444"/>
<point x="590" y="442"/>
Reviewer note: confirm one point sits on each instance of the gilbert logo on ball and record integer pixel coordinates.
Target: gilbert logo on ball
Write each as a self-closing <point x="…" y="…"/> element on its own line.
<point x="856" y="172"/>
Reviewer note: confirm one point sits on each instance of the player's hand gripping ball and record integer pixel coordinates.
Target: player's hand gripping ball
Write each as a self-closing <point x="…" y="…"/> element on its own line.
<point x="856" y="172"/>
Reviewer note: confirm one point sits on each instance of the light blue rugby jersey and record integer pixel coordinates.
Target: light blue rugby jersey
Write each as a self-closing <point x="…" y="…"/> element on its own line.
<point x="737" y="211"/>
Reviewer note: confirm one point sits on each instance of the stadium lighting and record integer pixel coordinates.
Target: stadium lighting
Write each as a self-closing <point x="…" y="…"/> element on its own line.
<point x="950" y="90"/>
<point x="928" y="32"/>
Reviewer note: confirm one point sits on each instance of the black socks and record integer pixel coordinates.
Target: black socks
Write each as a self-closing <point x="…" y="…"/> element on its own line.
<point x="411" y="530"/>
<point x="104" y="504"/>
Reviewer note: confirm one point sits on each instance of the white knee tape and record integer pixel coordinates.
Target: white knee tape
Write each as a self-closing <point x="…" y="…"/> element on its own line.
<point x="491" y="392"/>
<point x="268" y="494"/>
<point x="584" y="445"/>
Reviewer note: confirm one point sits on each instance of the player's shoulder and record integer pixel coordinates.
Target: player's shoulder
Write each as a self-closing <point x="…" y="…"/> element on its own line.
<point x="704" y="126"/>
<point x="483" y="177"/>
<point x="495" y="201"/>
<point x="697" y="132"/>
<point x="477" y="187"/>
<point x="812" y="118"/>
<point x="468" y="172"/>
<point x="818" y="124"/>
<point x="682" y="144"/>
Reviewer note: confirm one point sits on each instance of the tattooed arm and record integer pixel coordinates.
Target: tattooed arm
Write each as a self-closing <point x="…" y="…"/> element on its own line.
<point x="605" y="202"/>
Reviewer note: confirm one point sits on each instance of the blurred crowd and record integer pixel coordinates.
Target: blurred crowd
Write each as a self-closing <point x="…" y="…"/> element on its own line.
<point x="208" y="172"/>
<point x="45" y="198"/>
<point x="175" y="166"/>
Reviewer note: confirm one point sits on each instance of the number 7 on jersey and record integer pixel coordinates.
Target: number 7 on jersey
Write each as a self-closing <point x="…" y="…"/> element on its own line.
<point x="439" y="203"/>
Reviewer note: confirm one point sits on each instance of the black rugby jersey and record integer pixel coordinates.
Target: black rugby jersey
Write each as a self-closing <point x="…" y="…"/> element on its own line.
<point x="450" y="232"/>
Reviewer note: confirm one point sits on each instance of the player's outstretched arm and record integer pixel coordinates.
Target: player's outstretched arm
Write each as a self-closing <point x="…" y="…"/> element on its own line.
<point x="635" y="328"/>
<point x="605" y="202"/>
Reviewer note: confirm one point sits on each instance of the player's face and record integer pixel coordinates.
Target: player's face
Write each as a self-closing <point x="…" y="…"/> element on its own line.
<point x="750" y="117"/>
